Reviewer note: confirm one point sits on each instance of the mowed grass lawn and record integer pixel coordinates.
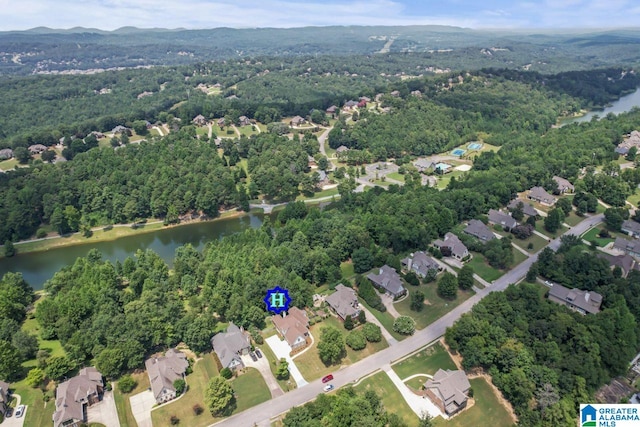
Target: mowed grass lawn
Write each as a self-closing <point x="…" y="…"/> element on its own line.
<point x="538" y="243"/>
<point x="39" y="413"/>
<point x="385" y="319"/>
<point x="573" y="219"/>
<point x="487" y="408"/>
<point x="309" y="363"/>
<point x="540" y="228"/>
<point x="392" y="400"/>
<point x="249" y="388"/>
<point x="482" y="268"/>
<point x="397" y="176"/>
<point x="434" y="308"/>
<point x="592" y="235"/>
<point x="122" y="400"/>
<point x="425" y="361"/>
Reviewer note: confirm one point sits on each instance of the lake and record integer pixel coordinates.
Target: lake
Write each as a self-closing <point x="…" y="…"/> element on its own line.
<point x="622" y="105"/>
<point x="38" y="267"/>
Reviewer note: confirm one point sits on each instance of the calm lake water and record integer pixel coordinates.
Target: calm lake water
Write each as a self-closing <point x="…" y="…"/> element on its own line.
<point x="38" y="267"/>
<point x="622" y="105"/>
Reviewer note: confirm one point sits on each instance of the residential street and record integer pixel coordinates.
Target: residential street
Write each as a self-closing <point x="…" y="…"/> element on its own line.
<point x="264" y="412"/>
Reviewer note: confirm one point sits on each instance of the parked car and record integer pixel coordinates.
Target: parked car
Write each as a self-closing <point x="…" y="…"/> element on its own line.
<point x="253" y="356"/>
<point x="327" y="378"/>
<point x="20" y="411"/>
<point x="328" y="387"/>
<point x="258" y="353"/>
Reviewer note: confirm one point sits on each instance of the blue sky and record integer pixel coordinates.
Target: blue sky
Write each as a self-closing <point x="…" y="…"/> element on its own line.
<point x="112" y="14"/>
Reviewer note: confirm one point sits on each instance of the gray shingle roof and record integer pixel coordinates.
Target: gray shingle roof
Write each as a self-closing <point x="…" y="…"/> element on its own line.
<point x="478" y="229"/>
<point x="344" y="301"/>
<point x="451" y="387"/>
<point x="228" y="345"/>
<point x="164" y="370"/>
<point x="501" y="218"/>
<point x="421" y="263"/>
<point x="527" y="208"/>
<point x="584" y="300"/>
<point x="72" y="394"/>
<point x="451" y="241"/>
<point x="563" y="184"/>
<point x="630" y="226"/>
<point x="540" y="194"/>
<point x="388" y="279"/>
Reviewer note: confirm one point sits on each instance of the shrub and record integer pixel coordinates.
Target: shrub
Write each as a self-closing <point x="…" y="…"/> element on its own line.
<point x="41" y="234"/>
<point x="404" y="325"/>
<point x="356" y="340"/>
<point x="180" y="386"/>
<point x="372" y="332"/>
<point x="417" y="301"/>
<point x="412" y="278"/>
<point x="174" y="420"/>
<point x="126" y="384"/>
<point x="197" y="409"/>
<point x="348" y="323"/>
<point x="226" y="373"/>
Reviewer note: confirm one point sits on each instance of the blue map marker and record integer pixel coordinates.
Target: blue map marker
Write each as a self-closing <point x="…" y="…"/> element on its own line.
<point x="277" y="300"/>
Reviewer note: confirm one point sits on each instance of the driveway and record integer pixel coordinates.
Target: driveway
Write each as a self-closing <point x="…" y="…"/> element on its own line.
<point x="13" y="421"/>
<point x="418" y="404"/>
<point x="262" y="365"/>
<point x="387" y="300"/>
<point x="141" y="405"/>
<point x="104" y="412"/>
<point x="281" y="349"/>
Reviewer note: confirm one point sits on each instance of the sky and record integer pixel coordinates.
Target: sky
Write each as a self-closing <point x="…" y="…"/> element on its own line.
<point x="193" y="14"/>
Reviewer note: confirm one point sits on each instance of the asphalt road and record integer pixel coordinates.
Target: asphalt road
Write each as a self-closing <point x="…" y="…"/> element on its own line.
<point x="261" y="414"/>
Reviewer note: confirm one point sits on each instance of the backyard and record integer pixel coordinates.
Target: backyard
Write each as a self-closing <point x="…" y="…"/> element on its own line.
<point x="391" y="398"/>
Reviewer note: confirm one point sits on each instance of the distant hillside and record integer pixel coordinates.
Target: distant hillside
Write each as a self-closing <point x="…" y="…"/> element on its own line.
<point x="46" y="50"/>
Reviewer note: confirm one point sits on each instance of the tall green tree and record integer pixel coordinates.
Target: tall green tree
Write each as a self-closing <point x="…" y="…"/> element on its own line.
<point x="219" y="397"/>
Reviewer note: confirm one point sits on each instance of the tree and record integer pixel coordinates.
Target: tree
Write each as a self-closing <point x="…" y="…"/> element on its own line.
<point x="404" y="325"/>
<point x="362" y="260"/>
<point x="356" y="340"/>
<point x="126" y="384"/>
<point x="48" y="156"/>
<point x="35" y="377"/>
<point x="631" y="154"/>
<point x="465" y="277"/>
<point x="111" y="362"/>
<point x="565" y="205"/>
<point x="448" y="286"/>
<point x="9" y="361"/>
<point x="532" y="274"/>
<point x="432" y="273"/>
<point x="553" y="221"/>
<point x="9" y="249"/>
<point x="219" y="396"/>
<point x="331" y="346"/>
<point x="362" y="317"/>
<point x="226" y="373"/>
<point x="26" y="344"/>
<point x="412" y="278"/>
<point x="22" y="155"/>
<point x="614" y="217"/>
<point x="417" y="300"/>
<point x="426" y="420"/>
<point x="348" y="323"/>
<point x="58" y="367"/>
<point x="180" y="385"/>
<point x="283" y="370"/>
<point x="372" y="332"/>
<point x="323" y="163"/>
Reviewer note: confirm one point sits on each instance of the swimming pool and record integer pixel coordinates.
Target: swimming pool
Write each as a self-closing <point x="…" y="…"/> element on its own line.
<point x="474" y="146"/>
<point x="458" y="152"/>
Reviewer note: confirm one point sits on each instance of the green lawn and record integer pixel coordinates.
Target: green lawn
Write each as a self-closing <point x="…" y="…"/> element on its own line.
<point x="319" y="194"/>
<point x="122" y="400"/>
<point x="443" y="180"/>
<point x="347" y="269"/>
<point x="426" y="361"/>
<point x="285" y="385"/>
<point x="634" y="199"/>
<point x="538" y="243"/>
<point x="483" y="269"/>
<point x="592" y="235"/>
<point x="396" y="176"/>
<point x="435" y="307"/>
<point x="416" y="383"/>
<point x="309" y="363"/>
<point x="250" y="389"/>
<point x="38" y="415"/>
<point x="385" y="319"/>
<point x="518" y="257"/>
<point x="487" y="407"/>
<point x="392" y="400"/>
<point x="573" y="219"/>
<point x="6" y="165"/>
<point x="247" y="130"/>
<point x="540" y="229"/>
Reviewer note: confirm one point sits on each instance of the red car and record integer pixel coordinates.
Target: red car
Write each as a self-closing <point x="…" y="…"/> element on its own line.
<point x="327" y="378"/>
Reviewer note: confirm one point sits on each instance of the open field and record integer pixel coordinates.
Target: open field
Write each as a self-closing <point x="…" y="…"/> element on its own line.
<point x="347" y="269"/>
<point x="435" y="307"/>
<point x="518" y="257"/>
<point x="425" y="361"/>
<point x="6" y="165"/>
<point x="392" y="400"/>
<point x="122" y="400"/>
<point x="397" y="176"/>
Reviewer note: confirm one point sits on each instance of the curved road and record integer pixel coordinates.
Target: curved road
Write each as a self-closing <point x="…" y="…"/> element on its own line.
<point x="261" y="414"/>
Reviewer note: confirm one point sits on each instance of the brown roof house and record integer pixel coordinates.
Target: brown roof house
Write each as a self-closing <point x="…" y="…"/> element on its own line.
<point x="478" y="229"/>
<point x="452" y="244"/>
<point x="332" y="109"/>
<point x="244" y="121"/>
<point x="4" y="397"/>
<point x="577" y="300"/>
<point x="297" y="121"/>
<point x="293" y="327"/>
<point x="527" y="208"/>
<point x="564" y="186"/>
<point x="342" y="149"/>
<point x="540" y="195"/>
<point x="230" y="345"/>
<point x="163" y="371"/>
<point x="37" y="148"/>
<point x="501" y="218"/>
<point x="631" y="227"/>
<point x="73" y="395"/>
<point x="199" y="120"/>
<point x="221" y="122"/>
<point x="344" y="302"/>
<point x="388" y="280"/>
<point x="448" y="390"/>
<point x="420" y="263"/>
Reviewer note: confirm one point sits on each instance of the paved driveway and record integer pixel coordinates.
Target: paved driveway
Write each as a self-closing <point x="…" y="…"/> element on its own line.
<point x="387" y="300"/>
<point x="281" y="349"/>
<point x="13" y="421"/>
<point x="104" y="412"/>
<point x="262" y="365"/>
<point x="418" y="404"/>
<point x="141" y="405"/>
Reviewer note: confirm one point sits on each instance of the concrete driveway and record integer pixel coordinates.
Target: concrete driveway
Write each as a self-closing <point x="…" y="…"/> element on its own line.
<point x="418" y="404"/>
<point x="387" y="300"/>
<point x="141" y="405"/>
<point x="104" y="412"/>
<point x="262" y="365"/>
<point x="281" y="349"/>
<point x="13" y="421"/>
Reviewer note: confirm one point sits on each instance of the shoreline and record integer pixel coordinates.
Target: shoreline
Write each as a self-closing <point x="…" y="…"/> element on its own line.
<point x="116" y="232"/>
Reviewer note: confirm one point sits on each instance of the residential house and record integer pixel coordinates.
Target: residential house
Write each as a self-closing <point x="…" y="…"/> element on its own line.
<point x="37" y="148"/>
<point x="442" y="168"/>
<point x="395" y="93"/>
<point x="424" y="165"/>
<point x="564" y="186"/>
<point x="578" y="300"/>
<point x="344" y="302"/>
<point x="388" y="280"/>
<point x="350" y="105"/>
<point x="448" y="390"/>
<point x="540" y="195"/>
<point x="501" y="218"/>
<point x="452" y="244"/>
<point x="4" y="397"/>
<point x="633" y="140"/>
<point x="479" y="230"/>
<point x="527" y="208"/>
<point x="244" y="121"/>
<point x="221" y="122"/>
<point x="341" y="150"/>
<point x="293" y="327"/>
<point x="365" y="99"/>
<point x="416" y="93"/>
<point x="323" y="179"/>
<point x="199" y="120"/>
<point x="629" y="247"/>
<point x="163" y="371"/>
<point x="297" y="121"/>
<point x="331" y="110"/>
<point x="311" y="161"/>
<point x="120" y="129"/>
<point x="230" y="345"/>
<point x="631" y="227"/>
<point x="625" y="262"/>
<point x="420" y="263"/>
<point x="6" y="153"/>
<point x="362" y="104"/>
<point x="73" y="395"/>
